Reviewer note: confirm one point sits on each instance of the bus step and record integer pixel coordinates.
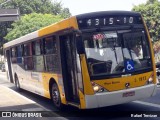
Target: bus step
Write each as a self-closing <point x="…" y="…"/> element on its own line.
<point x="73" y="104"/>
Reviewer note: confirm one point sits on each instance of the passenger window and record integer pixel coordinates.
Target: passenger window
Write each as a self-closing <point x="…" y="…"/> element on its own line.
<point x="19" y="51"/>
<point x="19" y="54"/>
<point x="14" y="54"/>
<point x="51" y="57"/>
<point x="50" y="47"/>
<point x="38" y="60"/>
<point x="28" y="49"/>
<point x="37" y="47"/>
<point x="28" y="63"/>
<point x="28" y="60"/>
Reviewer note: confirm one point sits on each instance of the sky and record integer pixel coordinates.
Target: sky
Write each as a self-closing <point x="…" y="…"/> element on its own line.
<point x="83" y="6"/>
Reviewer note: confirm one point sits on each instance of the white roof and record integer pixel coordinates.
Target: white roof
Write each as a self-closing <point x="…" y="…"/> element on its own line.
<point x="22" y="39"/>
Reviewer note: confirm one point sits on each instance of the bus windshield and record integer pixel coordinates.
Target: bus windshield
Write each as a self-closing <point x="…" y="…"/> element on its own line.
<point x="117" y="52"/>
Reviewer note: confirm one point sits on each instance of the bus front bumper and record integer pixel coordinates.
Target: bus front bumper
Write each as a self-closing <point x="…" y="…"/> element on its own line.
<point x="117" y="97"/>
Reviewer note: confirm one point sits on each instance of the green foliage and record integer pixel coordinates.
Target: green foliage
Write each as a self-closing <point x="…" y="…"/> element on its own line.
<point x="151" y="13"/>
<point x="65" y="13"/>
<point x="36" y="6"/>
<point x="27" y="7"/>
<point x="30" y="23"/>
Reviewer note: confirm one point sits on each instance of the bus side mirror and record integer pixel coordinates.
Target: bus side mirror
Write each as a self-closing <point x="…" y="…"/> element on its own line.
<point x="79" y="45"/>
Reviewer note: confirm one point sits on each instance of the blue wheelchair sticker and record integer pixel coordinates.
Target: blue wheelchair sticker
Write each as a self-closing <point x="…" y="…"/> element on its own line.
<point x="129" y="65"/>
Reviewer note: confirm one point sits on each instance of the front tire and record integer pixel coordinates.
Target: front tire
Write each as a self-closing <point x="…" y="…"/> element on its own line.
<point x="55" y="95"/>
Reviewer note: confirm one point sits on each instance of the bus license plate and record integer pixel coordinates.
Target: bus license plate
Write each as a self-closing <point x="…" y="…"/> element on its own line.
<point x="128" y="94"/>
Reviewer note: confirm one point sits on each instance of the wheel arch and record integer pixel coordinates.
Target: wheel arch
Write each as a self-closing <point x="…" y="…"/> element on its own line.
<point x="51" y="82"/>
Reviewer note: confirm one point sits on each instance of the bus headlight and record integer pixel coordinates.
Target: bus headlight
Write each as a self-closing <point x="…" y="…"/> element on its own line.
<point x="97" y="88"/>
<point x="150" y="80"/>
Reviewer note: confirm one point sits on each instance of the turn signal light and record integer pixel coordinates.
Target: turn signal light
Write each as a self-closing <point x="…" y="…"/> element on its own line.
<point x="150" y="80"/>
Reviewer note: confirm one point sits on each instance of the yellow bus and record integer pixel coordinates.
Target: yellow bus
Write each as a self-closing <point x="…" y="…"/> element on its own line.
<point x="90" y="60"/>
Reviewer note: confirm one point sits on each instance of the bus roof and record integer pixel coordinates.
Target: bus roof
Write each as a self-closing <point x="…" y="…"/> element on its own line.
<point x="107" y="13"/>
<point x="64" y="24"/>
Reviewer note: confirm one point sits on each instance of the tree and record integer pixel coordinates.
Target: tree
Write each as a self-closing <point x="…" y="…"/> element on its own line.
<point x="65" y="13"/>
<point x="28" y="7"/>
<point x="36" y="6"/>
<point x="151" y="13"/>
<point x="30" y="23"/>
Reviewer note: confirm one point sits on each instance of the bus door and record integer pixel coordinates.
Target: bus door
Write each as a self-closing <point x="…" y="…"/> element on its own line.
<point x="8" y="55"/>
<point x="69" y="67"/>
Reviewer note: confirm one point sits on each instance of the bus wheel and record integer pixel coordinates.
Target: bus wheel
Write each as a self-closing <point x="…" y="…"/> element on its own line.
<point x="17" y="84"/>
<point x="56" y="96"/>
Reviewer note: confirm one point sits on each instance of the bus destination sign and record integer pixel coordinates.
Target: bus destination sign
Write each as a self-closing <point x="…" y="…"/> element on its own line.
<point x="108" y="21"/>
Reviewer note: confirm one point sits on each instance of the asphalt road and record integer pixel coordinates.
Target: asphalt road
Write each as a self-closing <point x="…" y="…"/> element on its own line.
<point x="147" y="108"/>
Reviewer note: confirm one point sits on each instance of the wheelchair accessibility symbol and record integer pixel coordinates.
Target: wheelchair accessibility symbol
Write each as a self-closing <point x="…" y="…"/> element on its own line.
<point x="129" y="65"/>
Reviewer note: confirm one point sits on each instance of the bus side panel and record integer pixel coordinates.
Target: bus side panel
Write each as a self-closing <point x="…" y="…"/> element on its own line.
<point x="88" y="90"/>
<point x="46" y="77"/>
<point x="24" y="78"/>
<point x="82" y="100"/>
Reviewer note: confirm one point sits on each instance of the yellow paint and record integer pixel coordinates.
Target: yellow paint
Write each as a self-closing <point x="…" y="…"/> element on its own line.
<point x="46" y="79"/>
<point x="152" y="52"/>
<point x="62" y="94"/>
<point x="67" y="23"/>
<point x="115" y="84"/>
<point x="82" y="100"/>
<point x="64" y="24"/>
<point x="88" y="90"/>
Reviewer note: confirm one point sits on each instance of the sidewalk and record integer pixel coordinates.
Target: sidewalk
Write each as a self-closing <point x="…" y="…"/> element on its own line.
<point x="16" y="105"/>
<point x="11" y="100"/>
